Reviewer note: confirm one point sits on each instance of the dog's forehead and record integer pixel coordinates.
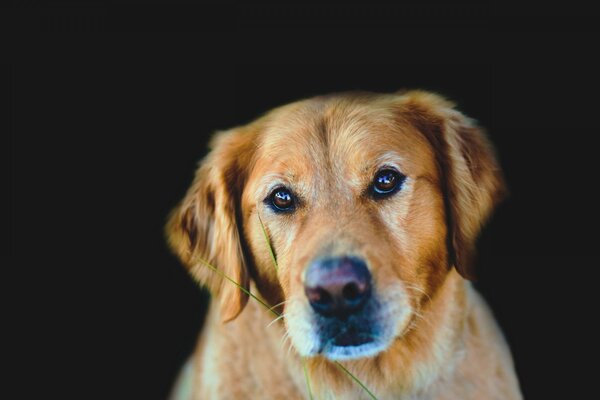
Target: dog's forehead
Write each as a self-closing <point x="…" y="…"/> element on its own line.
<point x="343" y="135"/>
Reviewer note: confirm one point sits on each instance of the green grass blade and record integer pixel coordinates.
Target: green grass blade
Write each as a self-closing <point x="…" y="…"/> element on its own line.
<point x="304" y="363"/>
<point x="243" y="289"/>
<point x="310" y="395"/>
<point x="356" y="380"/>
<point x="268" y="243"/>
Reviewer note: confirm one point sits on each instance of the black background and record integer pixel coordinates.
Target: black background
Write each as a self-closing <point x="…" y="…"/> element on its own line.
<point x="106" y="134"/>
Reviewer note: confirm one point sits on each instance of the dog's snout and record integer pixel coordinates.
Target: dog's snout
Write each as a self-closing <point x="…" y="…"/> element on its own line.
<point x="337" y="287"/>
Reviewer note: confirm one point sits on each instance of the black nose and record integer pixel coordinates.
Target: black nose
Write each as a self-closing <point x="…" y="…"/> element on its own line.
<point x="337" y="287"/>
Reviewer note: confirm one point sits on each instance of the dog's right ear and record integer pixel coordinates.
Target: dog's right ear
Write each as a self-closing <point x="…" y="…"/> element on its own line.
<point x="205" y="226"/>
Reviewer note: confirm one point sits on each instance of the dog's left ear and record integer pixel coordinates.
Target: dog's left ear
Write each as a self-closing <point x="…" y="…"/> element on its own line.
<point x="471" y="178"/>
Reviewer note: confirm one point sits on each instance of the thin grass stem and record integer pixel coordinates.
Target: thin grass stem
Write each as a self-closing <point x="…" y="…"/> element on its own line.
<point x="310" y="395"/>
<point x="304" y="362"/>
<point x="243" y="289"/>
<point x="268" y="243"/>
<point x="356" y="380"/>
<point x="277" y="305"/>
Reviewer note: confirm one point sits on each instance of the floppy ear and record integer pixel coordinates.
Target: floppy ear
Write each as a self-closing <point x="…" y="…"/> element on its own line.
<point x="471" y="178"/>
<point x="206" y="224"/>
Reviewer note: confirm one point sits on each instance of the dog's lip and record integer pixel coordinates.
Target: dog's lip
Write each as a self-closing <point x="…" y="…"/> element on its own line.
<point x="347" y="339"/>
<point x="369" y="346"/>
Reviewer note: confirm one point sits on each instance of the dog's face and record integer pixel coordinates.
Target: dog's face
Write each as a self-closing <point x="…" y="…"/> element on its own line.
<point x="366" y="202"/>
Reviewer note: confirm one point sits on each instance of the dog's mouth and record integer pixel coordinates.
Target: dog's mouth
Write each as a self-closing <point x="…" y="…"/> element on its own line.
<point x="351" y="340"/>
<point x="364" y="334"/>
<point x="349" y="346"/>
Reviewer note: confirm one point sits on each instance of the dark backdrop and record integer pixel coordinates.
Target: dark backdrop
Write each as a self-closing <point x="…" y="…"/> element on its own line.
<point x="106" y="136"/>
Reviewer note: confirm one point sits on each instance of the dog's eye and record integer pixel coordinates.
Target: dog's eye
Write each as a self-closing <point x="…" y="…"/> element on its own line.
<point x="387" y="182"/>
<point x="282" y="199"/>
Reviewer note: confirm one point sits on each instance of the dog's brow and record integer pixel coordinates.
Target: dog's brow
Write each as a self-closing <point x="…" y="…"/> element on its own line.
<point x="270" y="181"/>
<point x="388" y="158"/>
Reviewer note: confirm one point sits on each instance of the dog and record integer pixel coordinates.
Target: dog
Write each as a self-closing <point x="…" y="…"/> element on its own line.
<point x="351" y="220"/>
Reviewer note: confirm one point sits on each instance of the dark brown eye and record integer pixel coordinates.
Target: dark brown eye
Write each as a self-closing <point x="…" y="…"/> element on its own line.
<point x="282" y="199"/>
<point x="387" y="182"/>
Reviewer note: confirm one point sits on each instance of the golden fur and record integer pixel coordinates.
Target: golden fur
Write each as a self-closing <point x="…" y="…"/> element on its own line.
<point x="419" y="246"/>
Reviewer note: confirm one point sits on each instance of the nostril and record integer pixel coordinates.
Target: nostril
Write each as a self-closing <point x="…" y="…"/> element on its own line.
<point x="319" y="296"/>
<point x="351" y="291"/>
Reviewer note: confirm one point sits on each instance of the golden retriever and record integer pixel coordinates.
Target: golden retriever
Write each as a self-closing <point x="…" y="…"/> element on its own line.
<point x="353" y="217"/>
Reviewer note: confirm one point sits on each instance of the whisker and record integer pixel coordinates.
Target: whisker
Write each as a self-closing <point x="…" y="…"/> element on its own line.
<point x="418" y="289"/>
<point x="289" y="349"/>
<point x="422" y="318"/>
<point x="277" y="305"/>
<point x="284" y="338"/>
<point x="275" y="320"/>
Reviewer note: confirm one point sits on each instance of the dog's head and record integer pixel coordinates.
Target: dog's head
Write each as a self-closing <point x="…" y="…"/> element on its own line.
<point x="367" y="202"/>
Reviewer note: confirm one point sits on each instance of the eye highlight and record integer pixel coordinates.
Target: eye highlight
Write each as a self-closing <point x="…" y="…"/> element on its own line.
<point x="387" y="182"/>
<point x="281" y="199"/>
